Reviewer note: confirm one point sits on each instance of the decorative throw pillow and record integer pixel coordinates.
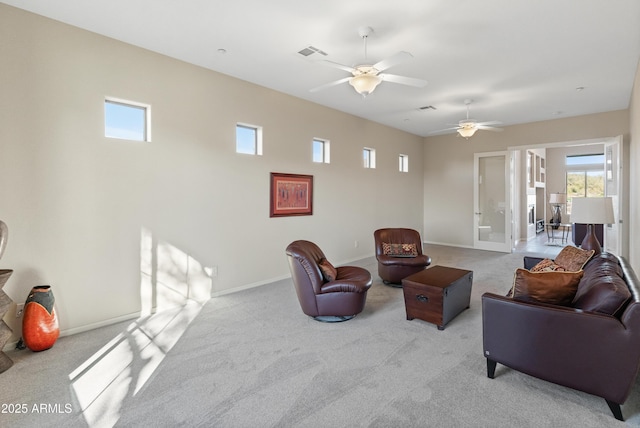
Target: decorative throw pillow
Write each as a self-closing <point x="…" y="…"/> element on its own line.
<point x="547" y="265"/>
<point x="573" y="258"/>
<point x="399" y="250"/>
<point x="554" y="287"/>
<point x="328" y="271"/>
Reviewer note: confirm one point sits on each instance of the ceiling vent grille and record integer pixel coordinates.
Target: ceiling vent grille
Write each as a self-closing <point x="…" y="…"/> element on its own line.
<point x="310" y="50"/>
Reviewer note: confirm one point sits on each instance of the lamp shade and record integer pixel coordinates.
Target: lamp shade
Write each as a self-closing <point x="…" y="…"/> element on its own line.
<point x="592" y="210"/>
<point x="558" y="198"/>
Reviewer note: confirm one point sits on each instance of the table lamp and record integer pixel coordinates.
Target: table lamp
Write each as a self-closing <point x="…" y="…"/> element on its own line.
<point x="557" y="200"/>
<point x="591" y="211"/>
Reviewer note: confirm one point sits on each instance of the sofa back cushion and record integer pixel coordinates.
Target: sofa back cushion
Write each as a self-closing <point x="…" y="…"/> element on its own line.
<point x="602" y="288"/>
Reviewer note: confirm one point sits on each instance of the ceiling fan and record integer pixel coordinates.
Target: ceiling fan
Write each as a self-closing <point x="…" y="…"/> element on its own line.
<point x="365" y="77"/>
<point x="467" y="127"/>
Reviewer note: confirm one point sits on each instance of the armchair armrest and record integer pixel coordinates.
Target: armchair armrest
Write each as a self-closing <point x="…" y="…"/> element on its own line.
<point x="586" y="351"/>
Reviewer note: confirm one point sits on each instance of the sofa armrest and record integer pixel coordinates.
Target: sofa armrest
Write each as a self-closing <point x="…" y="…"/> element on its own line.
<point x="530" y="262"/>
<point x="586" y="351"/>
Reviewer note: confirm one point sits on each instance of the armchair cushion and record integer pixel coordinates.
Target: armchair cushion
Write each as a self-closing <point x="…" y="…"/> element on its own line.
<point x="554" y="287"/>
<point x="573" y="258"/>
<point x="329" y="272"/>
<point x="399" y="250"/>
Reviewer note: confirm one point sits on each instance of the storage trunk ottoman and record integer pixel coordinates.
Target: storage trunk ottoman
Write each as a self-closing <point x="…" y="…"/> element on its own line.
<point x="437" y="294"/>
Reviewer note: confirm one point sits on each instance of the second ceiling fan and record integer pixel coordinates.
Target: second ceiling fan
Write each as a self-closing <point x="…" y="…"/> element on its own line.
<point x="365" y="77"/>
<point x="467" y="127"/>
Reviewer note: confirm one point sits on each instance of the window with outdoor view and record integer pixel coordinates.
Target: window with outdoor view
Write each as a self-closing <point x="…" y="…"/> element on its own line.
<point x="585" y="177"/>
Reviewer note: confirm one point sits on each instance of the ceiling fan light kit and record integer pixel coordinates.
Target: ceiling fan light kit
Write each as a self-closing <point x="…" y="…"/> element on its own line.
<point x="364" y="80"/>
<point x="467" y="131"/>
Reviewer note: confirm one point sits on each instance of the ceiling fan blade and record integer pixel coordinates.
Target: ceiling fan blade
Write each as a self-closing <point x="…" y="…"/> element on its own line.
<point x="446" y="129"/>
<point x="403" y="80"/>
<point x="396" y="59"/>
<point x="490" y="128"/>
<point x="337" y="65"/>
<point x="330" y="84"/>
<point x="493" y="122"/>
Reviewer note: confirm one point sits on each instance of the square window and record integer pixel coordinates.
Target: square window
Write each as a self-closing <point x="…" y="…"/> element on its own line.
<point x="321" y="153"/>
<point x="369" y="157"/>
<point x="403" y="161"/>
<point x="248" y="139"/>
<point x="126" y="120"/>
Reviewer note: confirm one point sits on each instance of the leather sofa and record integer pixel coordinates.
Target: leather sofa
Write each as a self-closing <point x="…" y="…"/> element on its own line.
<point x="591" y="345"/>
<point x="335" y="299"/>
<point x="392" y="269"/>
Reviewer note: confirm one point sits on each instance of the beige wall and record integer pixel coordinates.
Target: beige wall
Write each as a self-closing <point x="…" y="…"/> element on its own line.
<point x="80" y="206"/>
<point x="448" y="167"/>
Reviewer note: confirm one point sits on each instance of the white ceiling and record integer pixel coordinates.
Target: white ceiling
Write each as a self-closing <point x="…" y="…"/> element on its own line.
<point x="520" y="61"/>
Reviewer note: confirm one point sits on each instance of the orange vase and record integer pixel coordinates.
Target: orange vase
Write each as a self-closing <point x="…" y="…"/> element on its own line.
<point x="39" y="323"/>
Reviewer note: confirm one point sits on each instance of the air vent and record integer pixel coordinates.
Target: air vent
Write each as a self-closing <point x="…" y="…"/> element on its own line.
<point x="310" y="50"/>
<point x="427" y="108"/>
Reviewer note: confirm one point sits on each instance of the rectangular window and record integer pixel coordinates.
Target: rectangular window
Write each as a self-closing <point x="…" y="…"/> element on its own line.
<point x="403" y="161"/>
<point x="369" y="157"/>
<point x="127" y="120"/>
<point x="321" y="152"/>
<point x="248" y="139"/>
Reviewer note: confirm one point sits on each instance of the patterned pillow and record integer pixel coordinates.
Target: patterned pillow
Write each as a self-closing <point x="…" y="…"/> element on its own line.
<point x="399" y="250"/>
<point x="328" y="271"/>
<point x="557" y="288"/>
<point x="547" y="265"/>
<point x="573" y="258"/>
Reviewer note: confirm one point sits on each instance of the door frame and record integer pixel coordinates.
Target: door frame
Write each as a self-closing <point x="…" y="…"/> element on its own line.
<point x="506" y="245"/>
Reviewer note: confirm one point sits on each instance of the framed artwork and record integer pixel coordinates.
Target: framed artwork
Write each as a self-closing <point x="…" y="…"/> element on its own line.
<point x="291" y="194"/>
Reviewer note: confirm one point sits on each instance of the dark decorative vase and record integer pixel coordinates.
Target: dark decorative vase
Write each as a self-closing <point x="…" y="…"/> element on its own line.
<point x="39" y="323"/>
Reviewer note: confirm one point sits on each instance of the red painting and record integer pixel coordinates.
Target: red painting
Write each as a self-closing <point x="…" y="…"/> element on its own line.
<point x="291" y="194"/>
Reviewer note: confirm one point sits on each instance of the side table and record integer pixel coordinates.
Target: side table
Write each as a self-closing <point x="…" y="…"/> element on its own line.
<point x="557" y="232"/>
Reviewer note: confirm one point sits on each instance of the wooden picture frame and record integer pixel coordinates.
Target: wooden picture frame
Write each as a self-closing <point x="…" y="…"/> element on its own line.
<point x="291" y="195"/>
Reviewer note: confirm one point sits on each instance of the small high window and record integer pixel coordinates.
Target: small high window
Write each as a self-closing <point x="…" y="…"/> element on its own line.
<point x="127" y="120"/>
<point x="403" y="161"/>
<point x="248" y="139"/>
<point x="369" y="157"/>
<point x="321" y="153"/>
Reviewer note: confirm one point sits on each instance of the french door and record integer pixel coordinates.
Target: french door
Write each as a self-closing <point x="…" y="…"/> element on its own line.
<point x="613" y="188"/>
<point x="491" y="201"/>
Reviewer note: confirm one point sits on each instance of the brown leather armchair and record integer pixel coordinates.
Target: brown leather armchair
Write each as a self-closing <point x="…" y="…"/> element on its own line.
<point x="340" y="299"/>
<point x="393" y="269"/>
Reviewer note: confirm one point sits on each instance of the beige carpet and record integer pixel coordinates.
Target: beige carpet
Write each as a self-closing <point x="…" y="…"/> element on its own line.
<point x="252" y="359"/>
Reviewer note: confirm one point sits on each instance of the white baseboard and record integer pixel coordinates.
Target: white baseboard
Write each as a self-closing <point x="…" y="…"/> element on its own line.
<point x="448" y="244"/>
<point x="68" y="332"/>
<point x="249" y="286"/>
